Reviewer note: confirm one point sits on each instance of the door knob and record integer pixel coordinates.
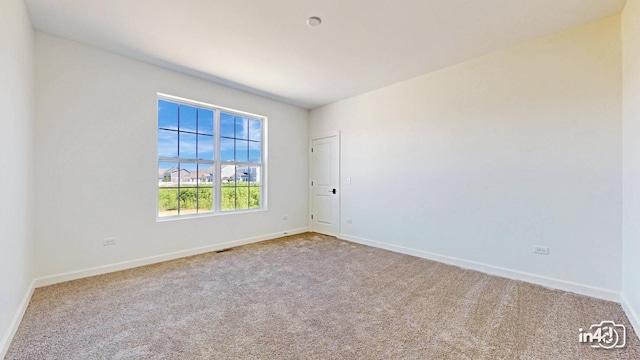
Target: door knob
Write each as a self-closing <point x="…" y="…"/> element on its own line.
<point x="333" y="191"/>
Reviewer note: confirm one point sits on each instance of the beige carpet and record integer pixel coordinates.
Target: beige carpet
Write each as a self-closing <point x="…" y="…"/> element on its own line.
<point x="309" y="296"/>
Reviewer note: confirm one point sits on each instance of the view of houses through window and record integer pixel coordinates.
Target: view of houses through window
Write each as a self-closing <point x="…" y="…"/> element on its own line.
<point x="198" y="144"/>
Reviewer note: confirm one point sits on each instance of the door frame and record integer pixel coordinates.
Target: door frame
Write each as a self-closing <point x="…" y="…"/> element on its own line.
<point x="338" y="186"/>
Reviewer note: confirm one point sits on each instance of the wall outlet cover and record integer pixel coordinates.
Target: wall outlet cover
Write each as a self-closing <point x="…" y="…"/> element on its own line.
<point x="543" y="250"/>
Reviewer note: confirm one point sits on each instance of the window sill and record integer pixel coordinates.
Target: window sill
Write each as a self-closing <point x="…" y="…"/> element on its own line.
<point x="206" y="215"/>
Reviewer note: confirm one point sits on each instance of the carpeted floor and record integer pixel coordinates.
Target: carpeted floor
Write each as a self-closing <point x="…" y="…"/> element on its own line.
<point x="309" y="297"/>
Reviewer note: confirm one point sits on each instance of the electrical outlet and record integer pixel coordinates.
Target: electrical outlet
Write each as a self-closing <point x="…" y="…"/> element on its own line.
<point x="349" y="221"/>
<point x="348" y="181"/>
<point x="541" y="250"/>
<point x="109" y="241"/>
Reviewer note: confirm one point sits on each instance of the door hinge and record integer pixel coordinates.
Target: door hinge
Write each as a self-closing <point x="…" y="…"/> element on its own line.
<point x="312" y="183"/>
<point x="311" y="149"/>
<point x="311" y="217"/>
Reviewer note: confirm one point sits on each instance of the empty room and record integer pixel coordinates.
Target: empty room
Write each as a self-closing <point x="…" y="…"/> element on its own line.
<point x="297" y="179"/>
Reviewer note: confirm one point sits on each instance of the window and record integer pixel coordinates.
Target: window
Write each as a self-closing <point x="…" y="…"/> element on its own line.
<point x="199" y="143"/>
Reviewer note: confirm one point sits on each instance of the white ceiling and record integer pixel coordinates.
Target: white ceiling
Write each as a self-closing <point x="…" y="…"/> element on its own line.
<point x="266" y="47"/>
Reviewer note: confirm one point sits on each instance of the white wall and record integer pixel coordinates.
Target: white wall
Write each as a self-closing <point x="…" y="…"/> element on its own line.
<point x="480" y="161"/>
<point x="96" y="126"/>
<point x="16" y="179"/>
<point x="631" y="161"/>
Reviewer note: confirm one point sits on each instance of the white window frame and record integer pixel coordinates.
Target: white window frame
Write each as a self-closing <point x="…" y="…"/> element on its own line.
<point x="217" y="163"/>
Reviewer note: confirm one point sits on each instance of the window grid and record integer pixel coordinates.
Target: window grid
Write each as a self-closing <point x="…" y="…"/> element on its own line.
<point x="242" y="161"/>
<point x="254" y="171"/>
<point x="252" y="174"/>
<point x="182" y="160"/>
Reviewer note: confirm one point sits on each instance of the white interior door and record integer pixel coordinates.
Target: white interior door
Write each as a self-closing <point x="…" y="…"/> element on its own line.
<point x="325" y="178"/>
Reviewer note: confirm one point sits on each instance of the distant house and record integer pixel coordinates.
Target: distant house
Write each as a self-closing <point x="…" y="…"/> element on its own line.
<point x="231" y="173"/>
<point x="172" y="176"/>
<point x="249" y="174"/>
<point x="203" y="176"/>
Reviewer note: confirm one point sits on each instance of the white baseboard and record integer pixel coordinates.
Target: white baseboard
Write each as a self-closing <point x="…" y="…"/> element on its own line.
<point x="99" y="270"/>
<point x="632" y="314"/>
<point x="485" y="268"/>
<point x="15" y="322"/>
<point x="73" y="275"/>
<point x="559" y="284"/>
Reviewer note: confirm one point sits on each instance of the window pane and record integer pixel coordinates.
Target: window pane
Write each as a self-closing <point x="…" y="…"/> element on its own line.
<point x="167" y="174"/>
<point x="254" y="197"/>
<point x="188" y="174"/>
<point x="187" y="146"/>
<point x="227" y="175"/>
<point x="167" y="115"/>
<point x="255" y="150"/>
<point x="205" y="121"/>
<point x="188" y="190"/>
<point x="167" y="143"/>
<point x="255" y="176"/>
<point x="228" y="198"/>
<point x="227" y="125"/>
<point x="205" y="199"/>
<point x="255" y="130"/>
<point x="242" y="175"/>
<point x="167" y="202"/>
<point x="205" y="191"/>
<point x="205" y="147"/>
<point x="187" y="118"/>
<point x="227" y="149"/>
<point x="188" y="200"/>
<point x="242" y="197"/>
<point x="242" y="150"/>
<point x="242" y="128"/>
<point x="206" y="173"/>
